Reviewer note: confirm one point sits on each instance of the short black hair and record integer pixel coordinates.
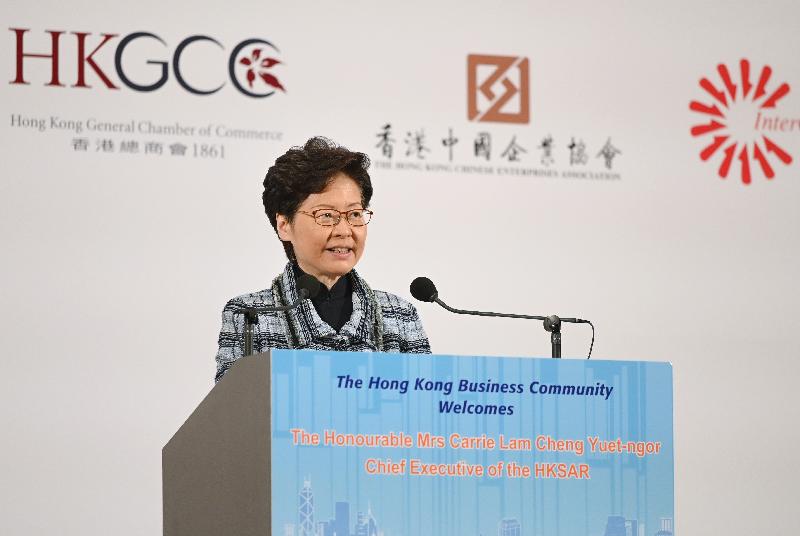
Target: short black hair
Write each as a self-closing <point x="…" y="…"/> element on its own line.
<point x="306" y="170"/>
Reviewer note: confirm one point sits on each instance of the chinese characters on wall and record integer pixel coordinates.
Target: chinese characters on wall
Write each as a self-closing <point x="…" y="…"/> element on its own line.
<point x="418" y="145"/>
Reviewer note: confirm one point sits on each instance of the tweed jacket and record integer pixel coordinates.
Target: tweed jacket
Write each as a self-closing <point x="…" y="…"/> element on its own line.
<point x="380" y="322"/>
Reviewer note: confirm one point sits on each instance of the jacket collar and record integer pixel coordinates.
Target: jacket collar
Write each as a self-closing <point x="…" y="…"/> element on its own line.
<point x="308" y="327"/>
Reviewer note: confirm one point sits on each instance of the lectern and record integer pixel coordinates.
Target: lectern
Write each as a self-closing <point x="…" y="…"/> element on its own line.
<point x="323" y="443"/>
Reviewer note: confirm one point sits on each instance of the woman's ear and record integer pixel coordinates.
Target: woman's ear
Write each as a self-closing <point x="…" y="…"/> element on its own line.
<point x="284" y="227"/>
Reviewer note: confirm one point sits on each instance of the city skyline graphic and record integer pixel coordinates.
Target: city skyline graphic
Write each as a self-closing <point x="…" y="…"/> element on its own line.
<point x="366" y="524"/>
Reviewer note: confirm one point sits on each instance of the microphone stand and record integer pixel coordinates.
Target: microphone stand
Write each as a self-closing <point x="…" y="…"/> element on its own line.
<point x="251" y="318"/>
<point x="250" y="321"/>
<point x="551" y="323"/>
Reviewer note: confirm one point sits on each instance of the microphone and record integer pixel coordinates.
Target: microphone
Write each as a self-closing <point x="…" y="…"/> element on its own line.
<point x="424" y="290"/>
<point x="307" y="288"/>
<point x="309" y="284"/>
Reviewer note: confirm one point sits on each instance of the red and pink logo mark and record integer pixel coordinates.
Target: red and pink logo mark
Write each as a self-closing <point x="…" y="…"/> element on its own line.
<point x="737" y="117"/>
<point x="259" y="67"/>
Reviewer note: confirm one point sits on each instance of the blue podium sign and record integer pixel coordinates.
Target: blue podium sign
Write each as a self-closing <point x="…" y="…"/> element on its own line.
<point x="402" y="445"/>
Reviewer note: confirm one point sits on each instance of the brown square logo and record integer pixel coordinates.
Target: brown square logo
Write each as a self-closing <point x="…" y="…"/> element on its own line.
<point x="512" y="105"/>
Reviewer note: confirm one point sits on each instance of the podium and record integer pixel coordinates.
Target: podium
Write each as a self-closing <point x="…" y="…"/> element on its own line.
<point x="322" y="443"/>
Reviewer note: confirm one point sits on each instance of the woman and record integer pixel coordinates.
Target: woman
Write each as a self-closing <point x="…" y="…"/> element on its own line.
<point x="316" y="199"/>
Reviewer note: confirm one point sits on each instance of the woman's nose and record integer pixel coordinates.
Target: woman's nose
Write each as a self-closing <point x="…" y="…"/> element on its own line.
<point x="342" y="228"/>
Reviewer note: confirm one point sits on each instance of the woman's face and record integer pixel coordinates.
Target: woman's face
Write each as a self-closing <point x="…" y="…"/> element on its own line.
<point x="327" y="253"/>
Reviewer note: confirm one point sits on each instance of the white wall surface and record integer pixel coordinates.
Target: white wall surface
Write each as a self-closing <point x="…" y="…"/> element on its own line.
<point x="115" y="267"/>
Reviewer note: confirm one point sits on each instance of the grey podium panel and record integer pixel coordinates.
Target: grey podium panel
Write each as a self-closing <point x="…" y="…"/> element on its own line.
<point x="216" y="468"/>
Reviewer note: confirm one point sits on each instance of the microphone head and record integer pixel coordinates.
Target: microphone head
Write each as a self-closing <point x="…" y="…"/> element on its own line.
<point x="423" y="289"/>
<point x="308" y="286"/>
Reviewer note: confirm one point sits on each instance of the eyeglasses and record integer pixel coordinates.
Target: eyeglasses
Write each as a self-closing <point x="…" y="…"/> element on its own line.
<point x="329" y="217"/>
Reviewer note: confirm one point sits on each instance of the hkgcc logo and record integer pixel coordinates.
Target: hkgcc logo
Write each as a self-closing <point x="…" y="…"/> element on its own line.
<point x="498" y="89"/>
<point x="249" y="66"/>
<point x="739" y="116"/>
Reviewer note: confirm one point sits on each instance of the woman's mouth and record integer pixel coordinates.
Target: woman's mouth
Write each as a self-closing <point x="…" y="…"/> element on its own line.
<point x="340" y="252"/>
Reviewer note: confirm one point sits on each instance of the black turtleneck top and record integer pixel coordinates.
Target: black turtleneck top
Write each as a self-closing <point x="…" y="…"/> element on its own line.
<point x="335" y="305"/>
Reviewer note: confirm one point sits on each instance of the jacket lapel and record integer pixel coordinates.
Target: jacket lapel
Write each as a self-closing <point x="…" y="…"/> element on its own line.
<point x="310" y="328"/>
<point x="359" y="329"/>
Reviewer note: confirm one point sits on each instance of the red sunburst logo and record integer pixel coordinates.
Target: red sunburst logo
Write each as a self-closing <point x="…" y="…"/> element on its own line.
<point x="733" y="120"/>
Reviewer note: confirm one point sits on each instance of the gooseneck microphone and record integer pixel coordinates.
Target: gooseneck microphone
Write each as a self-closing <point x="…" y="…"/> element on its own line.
<point x="307" y="287"/>
<point x="424" y="290"/>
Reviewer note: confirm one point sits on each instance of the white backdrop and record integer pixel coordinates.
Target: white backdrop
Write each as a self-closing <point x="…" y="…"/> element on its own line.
<point x="116" y="265"/>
